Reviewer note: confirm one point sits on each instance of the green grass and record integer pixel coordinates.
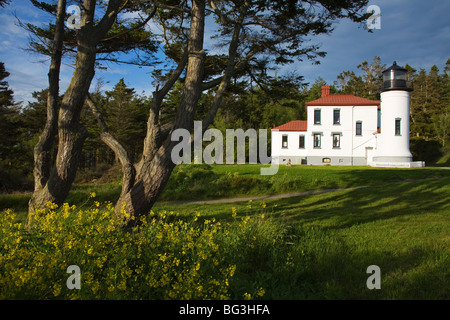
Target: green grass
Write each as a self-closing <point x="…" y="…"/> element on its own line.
<point x="203" y="182"/>
<point x="403" y="227"/>
<point x="319" y="246"/>
<point x="213" y="182"/>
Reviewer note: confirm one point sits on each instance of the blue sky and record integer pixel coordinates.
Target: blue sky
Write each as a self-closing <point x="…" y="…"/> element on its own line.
<point x="413" y="32"/>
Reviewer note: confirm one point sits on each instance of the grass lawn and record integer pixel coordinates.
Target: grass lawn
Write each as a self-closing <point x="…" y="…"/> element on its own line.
<point x="204" y="182"/>
<point x="402" y="227"/>
<point x="314" y="246"/>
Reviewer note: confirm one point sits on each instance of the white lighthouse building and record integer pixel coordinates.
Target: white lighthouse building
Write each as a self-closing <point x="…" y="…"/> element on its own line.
<point x="392" y="148"/>
<point x="349" y="130"/>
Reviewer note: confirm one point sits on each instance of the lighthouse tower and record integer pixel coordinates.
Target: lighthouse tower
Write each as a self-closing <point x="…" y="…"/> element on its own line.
<point x="392" y="148"/>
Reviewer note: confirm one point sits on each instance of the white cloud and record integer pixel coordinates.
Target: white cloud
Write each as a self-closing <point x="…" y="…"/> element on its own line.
<point x="25" y="79"/>
<point x="413" y="32"/>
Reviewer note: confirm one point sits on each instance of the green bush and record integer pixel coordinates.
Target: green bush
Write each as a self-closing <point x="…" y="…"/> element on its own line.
<point x="167" y="257"/>
<point x="428" y="151"/>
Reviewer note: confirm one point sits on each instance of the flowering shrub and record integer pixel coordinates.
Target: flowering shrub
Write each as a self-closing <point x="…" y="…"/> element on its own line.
<point x="166" y="257"/>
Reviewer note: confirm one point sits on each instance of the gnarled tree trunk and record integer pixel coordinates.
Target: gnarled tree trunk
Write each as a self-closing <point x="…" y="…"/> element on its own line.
<point x="156" y="165"/>
<point x="55" y="186"/>
<point x="42" y="150"/>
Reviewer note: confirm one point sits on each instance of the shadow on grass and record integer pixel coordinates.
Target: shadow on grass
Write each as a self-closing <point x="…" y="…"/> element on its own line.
<point x="337" y="273"/>
<point x="342" y="208"/>
<point x="400" y="227"/>
<point x="346" y="208"/>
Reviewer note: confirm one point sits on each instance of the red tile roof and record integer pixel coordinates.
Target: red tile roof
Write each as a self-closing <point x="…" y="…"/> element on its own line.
<point x="342" y="100"/>
<point x="296" y="125"/>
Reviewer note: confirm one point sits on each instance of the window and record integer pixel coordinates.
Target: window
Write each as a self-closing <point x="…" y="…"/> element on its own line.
<point x="317" y="116"/>
<point x="379" y="119"/>
<point x="398" y="123"/>
<point x="336" y="116"/>
<point x="284" y="142"/>
<point x="336" y="141"/>
<point x="359" y="128"/>
<point x="301" y="142"/>
<point x="326" y="160"/>
<point x="317" y="138"/>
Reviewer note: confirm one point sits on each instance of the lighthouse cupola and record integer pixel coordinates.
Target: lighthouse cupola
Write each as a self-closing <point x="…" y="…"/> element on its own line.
<point x="396" y="78"/>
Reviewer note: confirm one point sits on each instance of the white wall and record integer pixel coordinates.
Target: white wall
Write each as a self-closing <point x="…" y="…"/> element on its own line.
<point x="293" y="149"/>
<point x="394" y="105"/>
<point x="351" y="146"/>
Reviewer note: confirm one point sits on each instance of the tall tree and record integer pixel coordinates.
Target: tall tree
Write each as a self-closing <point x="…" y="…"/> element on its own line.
<point x="42" y="150"/>
<point x="349" y="83"/>
<point x="366" y="85"/>
<point x="96" y="35"/>
<point x="257" y="34"/>
<point x="142" y="186"/>
<point x="442" y="119"/>
<point x="126" y="115"/>
<point x="372" y="77"/>
<point x="425" y="103"/>
<point x="9" y="117"/>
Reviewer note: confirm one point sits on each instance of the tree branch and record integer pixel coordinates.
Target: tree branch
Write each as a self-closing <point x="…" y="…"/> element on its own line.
<point x="114" y="7"/>
<point x="211" y="84"/>
<point x="168" y="7"/>
<point x="229" y="71"/>
<point x="128" y="169"/>
<point x="154" y="137"/>
<point x="140" y="25"/>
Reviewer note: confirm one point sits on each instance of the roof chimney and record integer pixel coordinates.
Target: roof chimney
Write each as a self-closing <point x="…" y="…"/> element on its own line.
<point x="325" y="91"/>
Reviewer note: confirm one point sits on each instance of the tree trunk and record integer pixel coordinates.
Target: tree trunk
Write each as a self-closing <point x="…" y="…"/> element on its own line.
<point x="71" y="133"/>
<point x="42" y="150"/>
<point x="154" y="171"/>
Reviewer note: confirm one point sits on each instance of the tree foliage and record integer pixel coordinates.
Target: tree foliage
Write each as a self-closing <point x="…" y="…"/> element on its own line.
<point x="253" y="37"/>
<point x="9" y="118"/>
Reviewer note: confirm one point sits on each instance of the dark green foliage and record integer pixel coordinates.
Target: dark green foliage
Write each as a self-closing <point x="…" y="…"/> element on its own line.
<point x="12" y="173"/>
<point x="423" y="150"/>
<point x="8" y="116"/>
<point x="126" y="116"/>
<point x="366" y="85"/>
<point x="126" y="41"/>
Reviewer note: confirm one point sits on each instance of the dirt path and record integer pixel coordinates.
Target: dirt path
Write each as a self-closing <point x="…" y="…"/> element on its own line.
<point x="267" y="197"/>
<point x="278" y="196"/>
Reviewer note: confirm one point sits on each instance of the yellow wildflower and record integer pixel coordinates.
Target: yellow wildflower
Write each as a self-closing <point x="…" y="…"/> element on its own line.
<point x="260" y="292"/>
<point x="56" y="289"/>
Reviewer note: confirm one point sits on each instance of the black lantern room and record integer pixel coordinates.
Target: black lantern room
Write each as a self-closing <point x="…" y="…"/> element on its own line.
<point x="395" y="78"/>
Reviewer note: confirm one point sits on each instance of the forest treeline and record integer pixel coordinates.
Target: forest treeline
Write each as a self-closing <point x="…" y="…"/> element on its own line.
<point x="247" y="104"/>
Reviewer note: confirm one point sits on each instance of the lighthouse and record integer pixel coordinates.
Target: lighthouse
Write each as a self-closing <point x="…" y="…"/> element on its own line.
<point x="392" y="145"/>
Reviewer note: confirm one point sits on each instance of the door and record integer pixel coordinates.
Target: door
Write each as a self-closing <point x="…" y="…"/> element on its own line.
<point x="369" y="154"/>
